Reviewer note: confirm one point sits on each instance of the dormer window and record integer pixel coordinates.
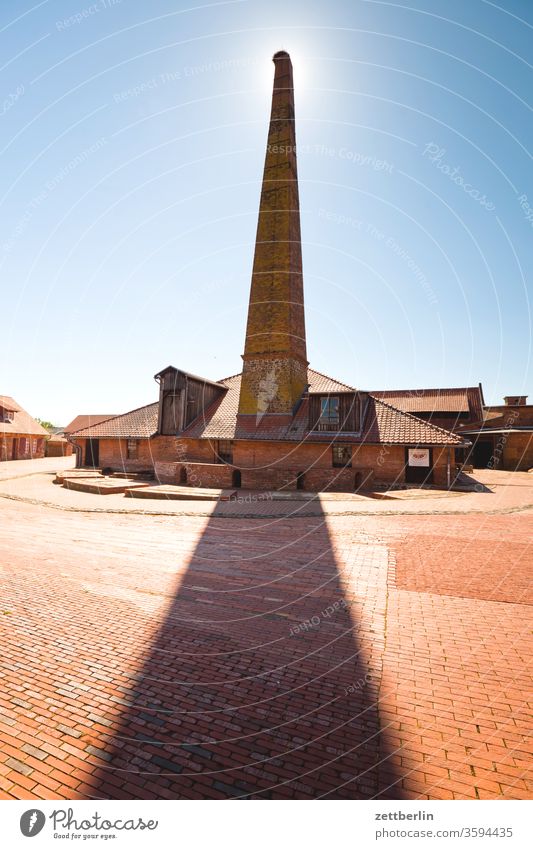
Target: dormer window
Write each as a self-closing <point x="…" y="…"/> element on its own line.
<point x="329" y="413"/>
<point x="6" y="416"/>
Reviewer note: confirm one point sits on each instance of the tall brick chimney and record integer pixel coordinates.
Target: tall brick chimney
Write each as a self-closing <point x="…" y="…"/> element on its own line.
<point x="275" y="359"/>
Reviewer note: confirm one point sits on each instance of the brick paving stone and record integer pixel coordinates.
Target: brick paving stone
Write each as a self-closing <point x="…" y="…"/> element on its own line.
<point x="204" y="656"/>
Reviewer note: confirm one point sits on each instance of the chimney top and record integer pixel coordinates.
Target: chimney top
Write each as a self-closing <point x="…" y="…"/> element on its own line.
<point x="281" y="54"/>
<point x="515" y="400"/>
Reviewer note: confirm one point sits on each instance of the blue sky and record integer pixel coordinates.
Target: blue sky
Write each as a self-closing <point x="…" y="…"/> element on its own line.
<point x="132" y="147"/>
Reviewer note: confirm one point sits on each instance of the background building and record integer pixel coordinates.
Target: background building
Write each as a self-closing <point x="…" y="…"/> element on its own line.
<point x="21" y="437"/>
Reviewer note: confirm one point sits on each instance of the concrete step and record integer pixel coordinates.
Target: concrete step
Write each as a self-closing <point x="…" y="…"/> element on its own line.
<point x="134" y="476"/>
<point x="75" y="474"/>
<point x="178" y="493"/>
<point x="102" y="486"/>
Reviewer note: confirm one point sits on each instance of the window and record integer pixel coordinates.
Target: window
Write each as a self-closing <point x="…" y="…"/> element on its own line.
<point x="329" y="413"/>
<point x="133" y="449"/>
<point x="6" y="416"/>
<point x="342" y="456"/>
<point x="224" y="451"/>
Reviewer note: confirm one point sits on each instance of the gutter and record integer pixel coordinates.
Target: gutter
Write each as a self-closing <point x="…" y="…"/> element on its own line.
<point x="77" y="450"/>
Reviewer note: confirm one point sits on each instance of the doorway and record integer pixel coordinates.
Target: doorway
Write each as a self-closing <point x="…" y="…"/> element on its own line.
<point x="419" y="465"/>
<point x="236" y="478"/>
<point x="14" y="447"/>
<point x="92" y="453"/>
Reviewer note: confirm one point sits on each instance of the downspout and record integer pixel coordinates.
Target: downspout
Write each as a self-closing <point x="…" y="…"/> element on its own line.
<point x="160" y="408"/>
<point x="77" y="450"/>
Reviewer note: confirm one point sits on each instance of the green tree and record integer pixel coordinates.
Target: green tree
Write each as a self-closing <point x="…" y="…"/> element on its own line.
<point x="47" y="425"/>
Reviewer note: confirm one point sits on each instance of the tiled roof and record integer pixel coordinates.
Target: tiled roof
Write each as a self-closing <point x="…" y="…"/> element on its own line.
<point x="137" y="424"/>
<point x="87" y="420"/>
<point x="383" y="422"/>
<point x="9" y="404"/>
<point x="22" y="423"/>
<point x="463" y="400"/>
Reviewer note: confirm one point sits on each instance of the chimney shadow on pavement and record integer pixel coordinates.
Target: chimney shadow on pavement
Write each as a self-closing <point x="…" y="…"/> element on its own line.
<point x="263" y="680"/>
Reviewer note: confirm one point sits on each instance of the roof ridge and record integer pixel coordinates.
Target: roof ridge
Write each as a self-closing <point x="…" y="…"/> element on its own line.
<point x="230" y="377"/>
<point x="429" y="389"/>
<point x="416" y="418"/>
<point x="334" y="379"/>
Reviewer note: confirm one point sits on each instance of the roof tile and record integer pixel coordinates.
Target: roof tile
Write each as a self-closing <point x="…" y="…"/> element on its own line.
<point x="384" y="423"/>
<point x="87" y="420"/>
<point x="137" y="424"/>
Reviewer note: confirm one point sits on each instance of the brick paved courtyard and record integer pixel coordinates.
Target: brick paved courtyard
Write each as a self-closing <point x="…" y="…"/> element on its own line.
<point x="334" y="656"/>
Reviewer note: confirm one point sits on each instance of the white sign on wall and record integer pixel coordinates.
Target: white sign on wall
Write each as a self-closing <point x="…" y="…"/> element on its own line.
<point x="419" y="457"/>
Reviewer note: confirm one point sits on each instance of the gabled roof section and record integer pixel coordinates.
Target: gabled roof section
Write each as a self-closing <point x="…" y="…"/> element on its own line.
<point x="22" y="423"/>
<point x="9" y="404"/>
<point x="87" y="420"/>
<point x="383" y="423"/>
<point x="321" y="384"/>
<point x="468" y="399"/>
<point x="137" y="424"/>
<point x="164" y="371"/>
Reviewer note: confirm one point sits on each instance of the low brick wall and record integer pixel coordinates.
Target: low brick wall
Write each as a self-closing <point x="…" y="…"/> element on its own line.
<point x="208" y="475"/>
<point x="270" y="478"/>
<point x="167" y="472"/>
<point x="334" y="480"/>
<point x="216" y="475"/>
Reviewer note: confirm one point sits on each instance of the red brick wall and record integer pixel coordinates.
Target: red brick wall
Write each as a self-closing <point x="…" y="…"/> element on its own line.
<point x="517" y="454"/>
<point x="58" y="448"/>
<point x="267" y="465"/>
<point x="114" y="454"/>
<point x="27" y="447"/>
